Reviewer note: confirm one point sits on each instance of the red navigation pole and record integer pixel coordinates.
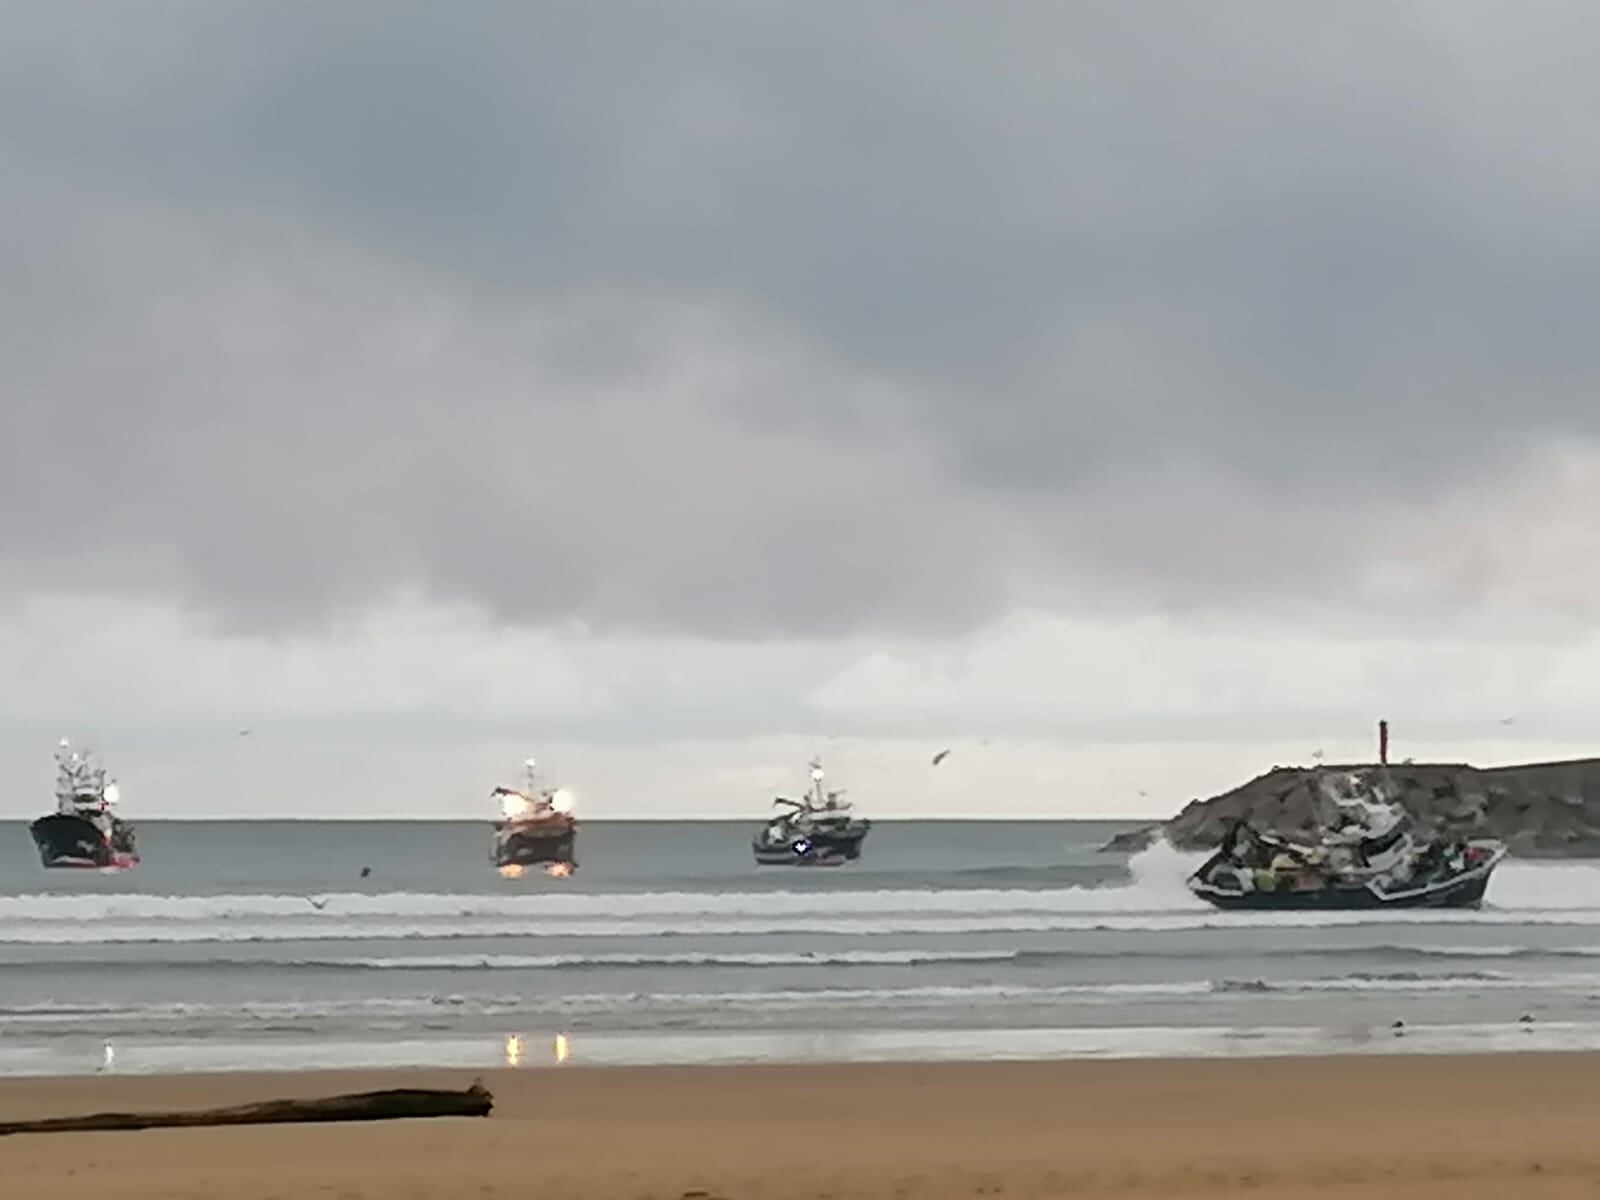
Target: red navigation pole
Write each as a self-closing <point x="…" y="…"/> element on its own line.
<point x="1383" y="742"/>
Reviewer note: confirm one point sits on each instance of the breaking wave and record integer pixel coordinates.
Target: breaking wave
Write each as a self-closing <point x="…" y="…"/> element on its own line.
<point x="1154" y="900"/>
<point x="1041" y="959"/>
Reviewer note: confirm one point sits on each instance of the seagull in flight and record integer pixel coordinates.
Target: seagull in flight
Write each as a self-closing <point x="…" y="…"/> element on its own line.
<point x="317" y="904"/>
<point x="940" y="757"/>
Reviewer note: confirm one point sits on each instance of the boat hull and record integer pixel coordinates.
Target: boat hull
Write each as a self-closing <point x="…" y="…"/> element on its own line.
<point x="1463" y="890"/>
<point x="537" y="845"/>
<point x="68" y="842"/>
<point x="811" y="850"/>
<point x="790" y="858"/>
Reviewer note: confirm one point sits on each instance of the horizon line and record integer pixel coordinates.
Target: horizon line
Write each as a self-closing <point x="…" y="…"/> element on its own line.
<point x="656" y="820"/>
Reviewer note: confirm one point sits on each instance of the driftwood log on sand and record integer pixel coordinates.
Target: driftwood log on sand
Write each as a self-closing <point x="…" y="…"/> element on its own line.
<point x="395" y="1104"/>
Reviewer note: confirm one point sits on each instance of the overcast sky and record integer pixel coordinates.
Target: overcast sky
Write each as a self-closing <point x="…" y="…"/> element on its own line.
<point x="1128" y="395"/>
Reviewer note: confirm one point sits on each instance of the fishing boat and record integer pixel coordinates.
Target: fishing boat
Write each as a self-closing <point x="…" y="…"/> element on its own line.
<point x="1368" y="855"/>
<point x="537" y="827"/>
<point x="84" y="831"/>
<point x="819" y="830"/>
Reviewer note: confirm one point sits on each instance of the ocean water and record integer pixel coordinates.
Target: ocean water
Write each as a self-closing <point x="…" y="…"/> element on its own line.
<point x="258" y="945"/>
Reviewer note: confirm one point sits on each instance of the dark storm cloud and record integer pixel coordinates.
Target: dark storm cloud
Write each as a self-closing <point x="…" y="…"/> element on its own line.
<point x="762" y="318"/>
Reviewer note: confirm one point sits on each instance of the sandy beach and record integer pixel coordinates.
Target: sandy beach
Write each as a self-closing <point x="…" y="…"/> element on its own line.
<point x="1418" y="1127"/>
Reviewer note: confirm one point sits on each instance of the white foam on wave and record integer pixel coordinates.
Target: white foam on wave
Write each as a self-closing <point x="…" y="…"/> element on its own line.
<point x="594" y="1003"/>
<point x="513" y="962"/>
<point x="139" y="917"/>
<point x="1157" y="886"/>
<point x="1546" y="886"/>
<point x="236" y="930"/>
<point x="49" y="933"/>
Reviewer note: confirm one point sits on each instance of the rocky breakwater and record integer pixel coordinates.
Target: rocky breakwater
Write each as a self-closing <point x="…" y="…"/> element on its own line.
<point x="1539" y="810"/>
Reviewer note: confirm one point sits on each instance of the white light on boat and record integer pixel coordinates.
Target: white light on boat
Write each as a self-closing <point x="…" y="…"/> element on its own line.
<point x="112" y="793"/>
<point x="513" y="805"/>
<point x="562" y="800"/>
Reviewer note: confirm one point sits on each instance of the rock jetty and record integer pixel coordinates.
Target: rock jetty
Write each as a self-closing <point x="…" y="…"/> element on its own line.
<point x="1539" y="810"/>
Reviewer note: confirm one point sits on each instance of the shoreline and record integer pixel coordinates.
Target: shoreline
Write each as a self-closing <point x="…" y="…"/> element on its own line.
<point x="534" y="1050"/>
<point x="1457" y="1126"/>
<point x="282" y="1082"/>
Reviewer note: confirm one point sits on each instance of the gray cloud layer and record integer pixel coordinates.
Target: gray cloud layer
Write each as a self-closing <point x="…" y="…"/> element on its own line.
<point x="753" y="319"/>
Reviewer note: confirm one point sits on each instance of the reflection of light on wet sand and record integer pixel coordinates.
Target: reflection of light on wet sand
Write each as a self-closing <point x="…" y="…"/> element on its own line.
<point x="511" y="871"/>
<point x="515" y="1053"/>
<point x="558" y="870"/>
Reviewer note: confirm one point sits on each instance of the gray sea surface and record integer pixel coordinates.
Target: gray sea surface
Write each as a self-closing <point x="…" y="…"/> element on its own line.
<point x="258" y="945"/>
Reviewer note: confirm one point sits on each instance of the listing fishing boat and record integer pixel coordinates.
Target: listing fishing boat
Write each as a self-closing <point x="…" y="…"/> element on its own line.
<point x="84" y="831"/>
<point x="1368" y="855"/>
<point x="819" y="830"/>
<point x="537" y="827"/>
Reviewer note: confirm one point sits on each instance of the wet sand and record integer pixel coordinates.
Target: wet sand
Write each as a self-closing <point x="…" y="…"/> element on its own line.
<point x="1418" y="1127"/>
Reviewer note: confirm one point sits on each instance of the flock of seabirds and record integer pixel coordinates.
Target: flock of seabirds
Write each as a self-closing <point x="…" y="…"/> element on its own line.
<point x="1367" y="854"/>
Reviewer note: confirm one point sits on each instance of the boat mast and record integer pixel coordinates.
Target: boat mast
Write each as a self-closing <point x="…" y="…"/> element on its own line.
<point x="817" y="799"/>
